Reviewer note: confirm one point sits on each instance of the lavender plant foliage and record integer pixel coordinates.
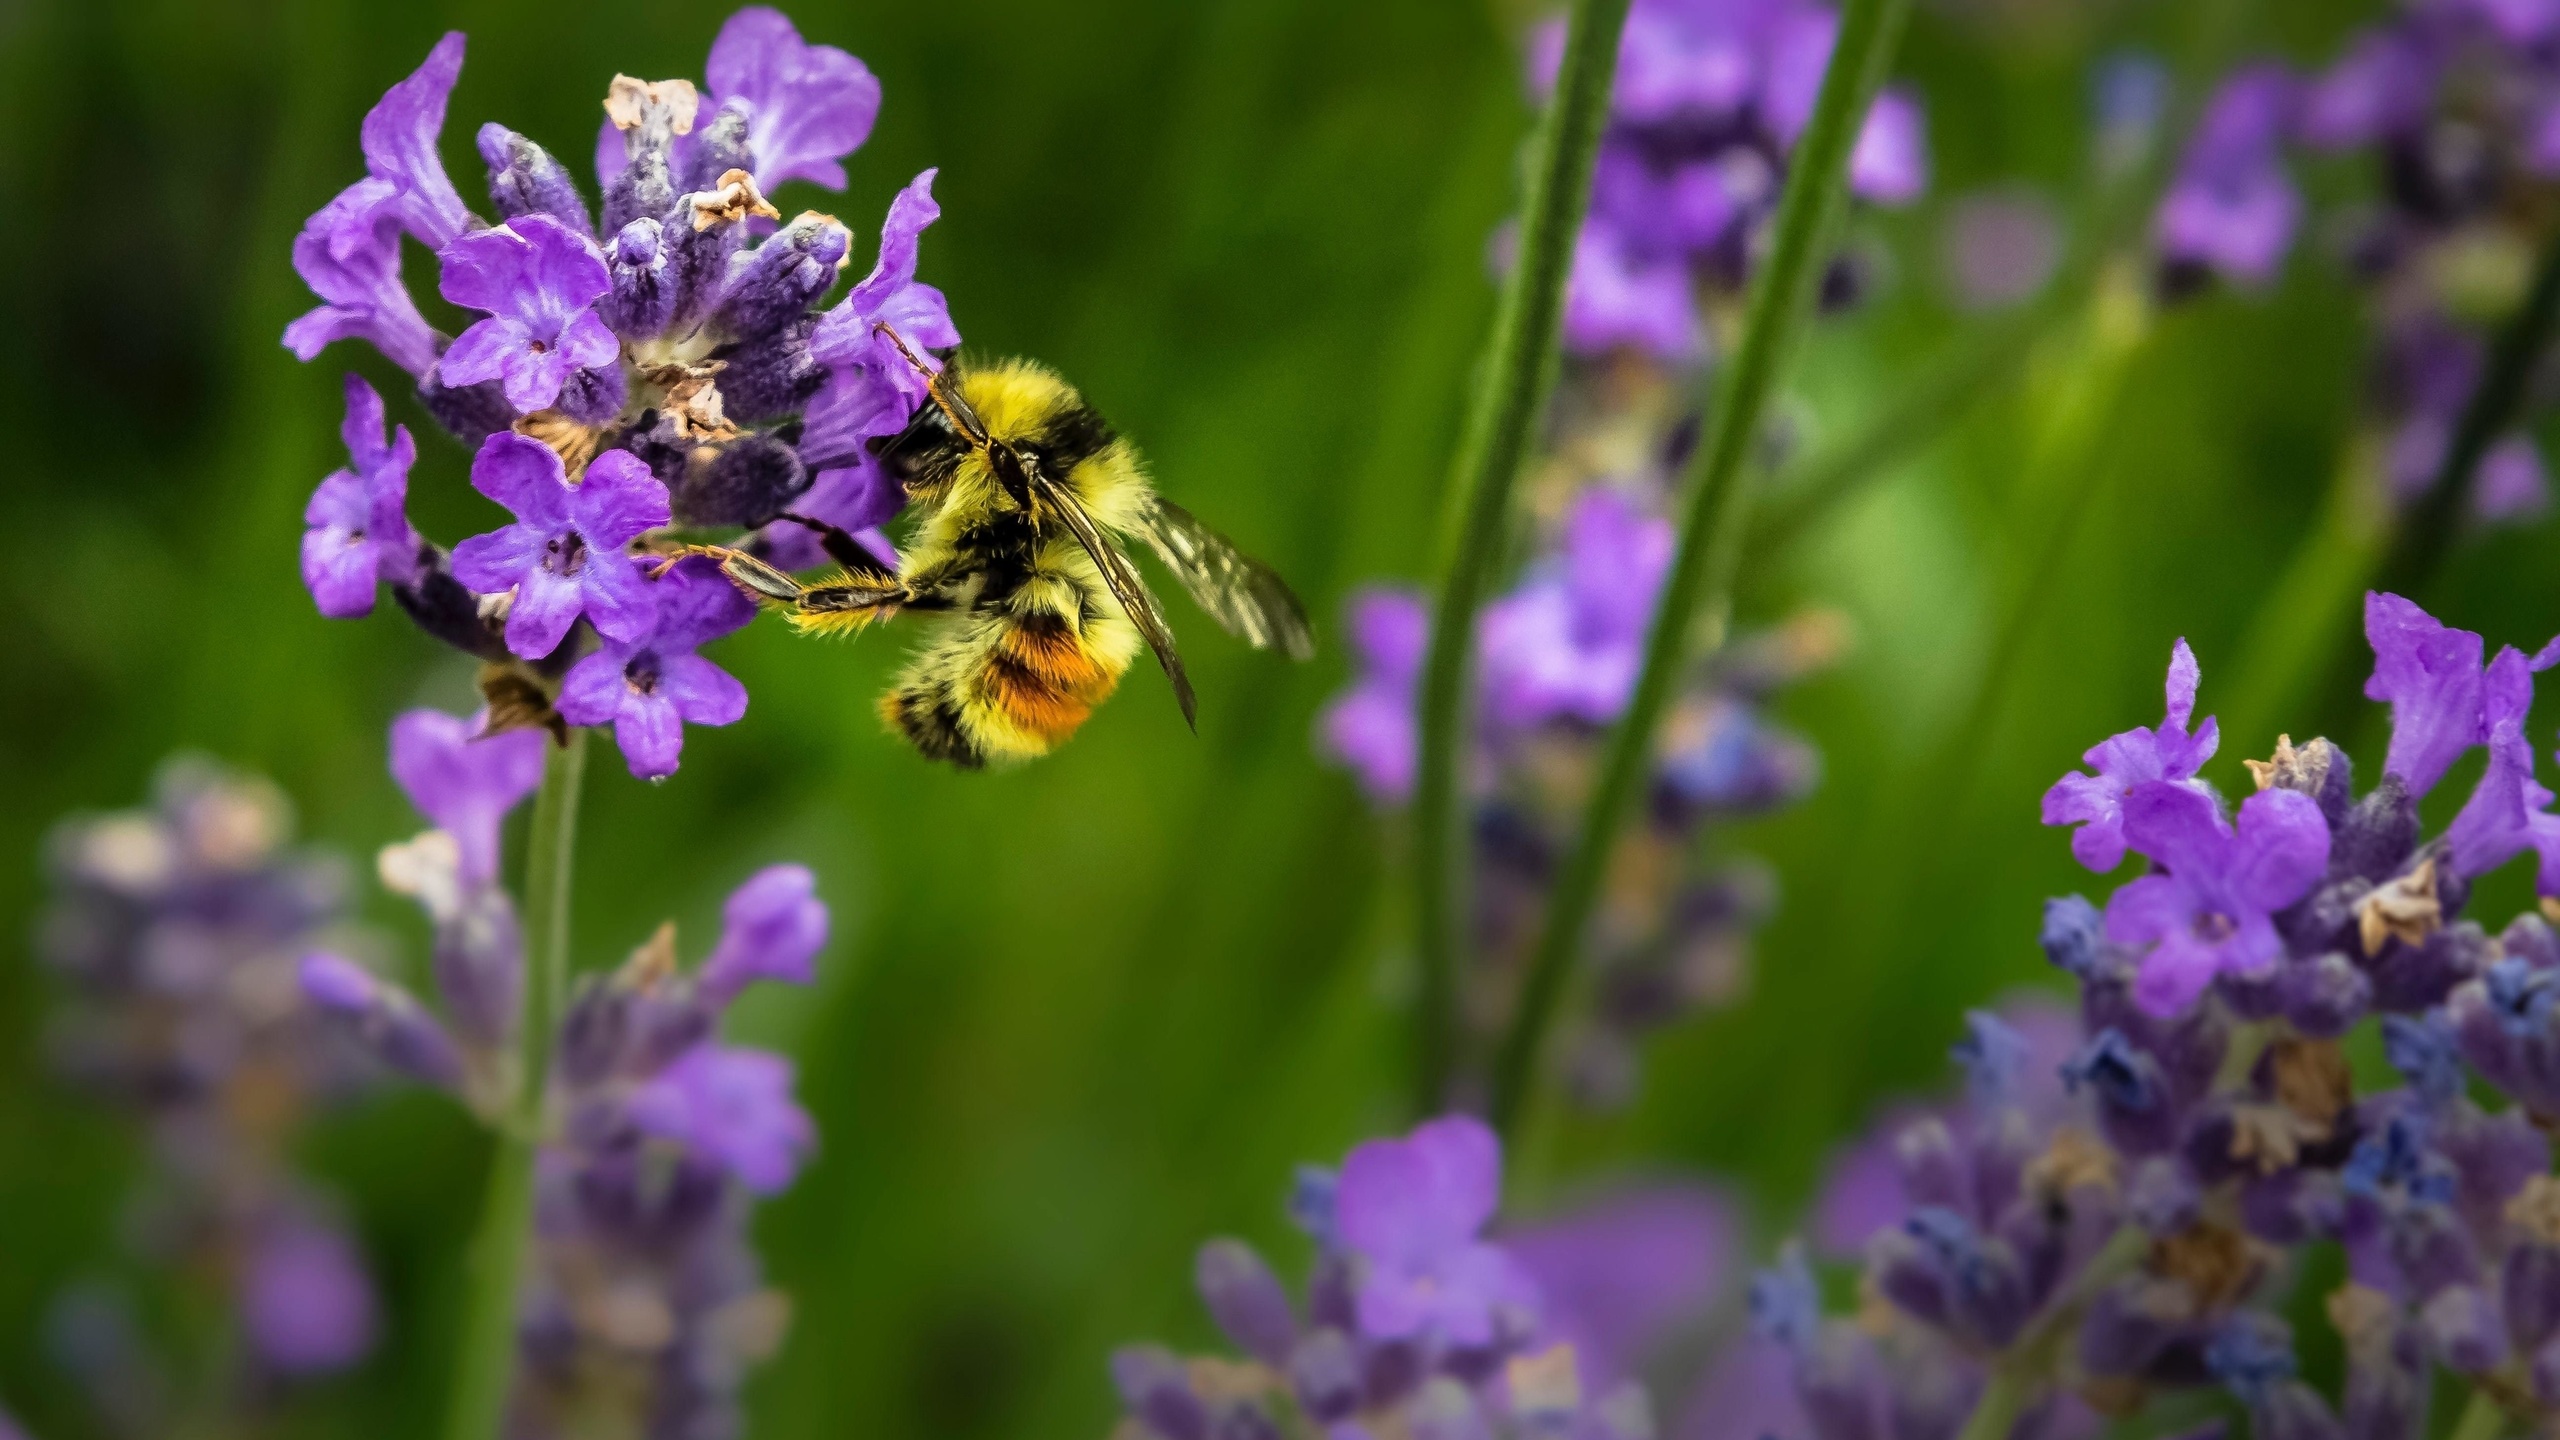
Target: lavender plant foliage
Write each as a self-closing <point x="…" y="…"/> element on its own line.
<point x="2446" y="112"/>
<point x="2111" y="1211"/>
<point x="1710" y="99"/>
<point x="1417" y="1319"/>
<point x="666" y="359"/>
<point x="645" y="1305"/>
<point x="175" y="930"/>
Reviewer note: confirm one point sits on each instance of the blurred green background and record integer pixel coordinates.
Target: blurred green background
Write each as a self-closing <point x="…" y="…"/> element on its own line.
<point x="1079" y="1016"/>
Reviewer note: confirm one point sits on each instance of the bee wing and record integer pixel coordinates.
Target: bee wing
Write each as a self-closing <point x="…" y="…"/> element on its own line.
<point x="1125" y="585"/>
<point x="1241" y="593"/>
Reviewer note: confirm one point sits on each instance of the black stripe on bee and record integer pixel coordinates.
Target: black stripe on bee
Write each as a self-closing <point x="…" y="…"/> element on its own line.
<point x="1071" y="437"/>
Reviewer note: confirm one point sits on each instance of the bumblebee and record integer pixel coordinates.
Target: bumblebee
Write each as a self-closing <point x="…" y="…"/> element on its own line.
<point x="1025" y="493"/>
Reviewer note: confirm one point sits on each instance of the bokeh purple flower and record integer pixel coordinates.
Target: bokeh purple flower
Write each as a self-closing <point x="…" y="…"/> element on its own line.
<point x="734" y="1105"/>
<point x="1413" y="1210"/>
<point x="465" y="779"/>
<point x="2232" y="209"/>
<point x="1370" y="728"/>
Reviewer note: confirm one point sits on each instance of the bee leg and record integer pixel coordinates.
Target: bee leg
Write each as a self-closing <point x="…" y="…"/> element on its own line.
<point x="744" y="571"/>
<point x="842" y="548"/>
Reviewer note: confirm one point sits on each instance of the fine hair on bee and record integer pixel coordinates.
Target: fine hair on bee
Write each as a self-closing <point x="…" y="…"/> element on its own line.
<point x="1023" y="494"/>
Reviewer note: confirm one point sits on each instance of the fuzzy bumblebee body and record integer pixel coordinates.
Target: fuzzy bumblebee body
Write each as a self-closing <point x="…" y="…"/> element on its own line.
<point x="1023" y="491"/>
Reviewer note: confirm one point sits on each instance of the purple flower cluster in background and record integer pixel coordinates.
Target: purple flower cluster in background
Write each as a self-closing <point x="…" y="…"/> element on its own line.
<point x="646" y="1305"/>
<point x="176" y="930"/>
<point x="668" y="359"/>
<point x="2109" y="1211"/>
<point x="2454" y="106"/>
<point x="1711" y="97"/>
<point x="1556" y="661"/>
<point x="1418" y="1319"/>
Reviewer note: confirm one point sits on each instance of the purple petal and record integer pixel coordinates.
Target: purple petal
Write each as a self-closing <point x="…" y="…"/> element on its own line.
<point x="2175" y="975"/>
<point x="486" y="270"/>
<point x="349" y="254"/>
<point x="2180" y="827"/>
<point x="772" y="927"/>
<point x="2185" y="675"/>
<point x="532" y="376"/>
<point x="910" y="212"/>
<point x="650" y="734"/>
<point x="702" y="692"/>
<point x="546" y="605"/>
<point x="525" y="475"/>
<point x="586" y="342"/>
<point x="733" y="1106"/>
<point x="483" y="351"/>
<point x="2148" y="908"/>
<point x="465" y="782"/>
<point x="339" y="567"/>
<point x="564" y="272"/>
<point x="1616" y="299"/>
<point x="1407" y="1201"/>
<point x="812" y="104"/>
<point x="1390" y="630"/>
<point x="334" y="982"/>
<point x="619" y="500"/>
<point x="491" y="564"/>
<point x="1618" y="1275"/>
<point x="2282" y="849"/>
<point x="697" y="605"/>
<point x="399" y="138"/>
<point x="619" y="600"/>
<point x="362" y="428"/>
<point x="2431" y="675"/>
<point x="305" y="1299"/>
<point x="1891" y="162"/>
<point x="593" y="691"/>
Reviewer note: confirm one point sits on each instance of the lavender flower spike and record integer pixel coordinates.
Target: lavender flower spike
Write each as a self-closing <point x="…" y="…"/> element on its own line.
<point x="1413" y="1210"/>
<point x="360" y="533"/>
<point x="2095" y="803"/>
<point x="539" y="281"/>
<point x="772" y="928"/>
<point x="808" y="106"/>
<point x="2207" y="913"/>
<point x="649" y="687"/>
<point x="734" y="1105"/>
<point x="1370" y="729"/>
<point x="464" y="780"/>
<point x="2232" y="209"/>
<point x="564" y="555"/>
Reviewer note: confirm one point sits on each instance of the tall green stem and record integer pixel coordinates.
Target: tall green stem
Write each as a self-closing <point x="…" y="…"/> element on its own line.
<point x="485" y="1366"/>
<point x="1510" y="393"/>
<point x="1701" y="580"/>
<point x="2483" y="1418"/>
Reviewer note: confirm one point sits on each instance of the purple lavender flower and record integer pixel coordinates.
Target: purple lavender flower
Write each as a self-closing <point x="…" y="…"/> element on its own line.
<point x="1616" y="1275"/>
<point x="2095" y="803"/>
<point x="465" y="779"/>
<point x="2512" y="484"/>
<point x="399" y="137"/>
<point x="2381" y="86"/>
<point x="772" y="928"/>
<point x="870" y="389"/>
<point x="2437" y="688"/>
<point x="808" y="106"/>
<point x="2232" y="209"/>
<point x="1371" y="728"/>
<point x="539" y="281"/>
<point x="2208" y="914"/>
<point x="1616" y="297"/>
<point x="1414" y="1210"/>
<point x="1568" y="644"/>
<point x="650" y="686"/>
<point x="307" y="1303"/>
<point x="564" y="555"/>
<point x="1890" y="164"/>
<point x="359" y="520"/>
<point x="735" y="1105"/>
<point x="2000" y="248"/>
<point x="349" y="254"/>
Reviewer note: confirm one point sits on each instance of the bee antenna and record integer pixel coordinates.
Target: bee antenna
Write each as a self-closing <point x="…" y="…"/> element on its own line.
<point x="966" y="428"/>
<point x="900" y="341"/>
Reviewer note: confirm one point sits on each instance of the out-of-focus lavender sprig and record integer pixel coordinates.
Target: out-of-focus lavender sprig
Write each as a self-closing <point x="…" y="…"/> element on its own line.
<point x="645" y="1306"/>
<point x="1710" y="100"/>
<point x="1556" y="658"/>
<point x="2450" y="108"/>
<point x="2088" y="1244"/>
<point x="663" y="361"/>
<point x="1417" y="1319"/>
<point x="176" y="930"/>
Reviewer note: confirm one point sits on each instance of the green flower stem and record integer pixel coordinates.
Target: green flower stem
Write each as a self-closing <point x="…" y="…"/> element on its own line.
<point x="1510" y="394"/>
<point x="485" y="1367"/>
<point x="2027" y="1366"/>
<point x="1700" y="584"/>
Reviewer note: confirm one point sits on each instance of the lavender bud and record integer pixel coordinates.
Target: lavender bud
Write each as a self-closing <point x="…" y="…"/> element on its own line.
<point x="643" y="300"/>
<point x="1155" y="1388"/>
<point x="771" y="377"/>
<point x="595" y="395"/>
<point x="384" y="1017"/>
<point x="1246" y="1300"/>
<point x="2387" y="1369"/>
<point x="2128" y="1325"/>
<point x="2161" y="1197"/>
<point x="439" y="605"/>
<point x="2131" y="1093"/>
<point x="479" y="966"/>
<point x="2408" y="978"/>
<point x="719" y="147"/>
<point x="2074" y="935"/>
<point x="2529" y="938"/>
<point x="1324" y="1373"/>
<point x="748" y="481"/>
<point x="2378" y="835"/>
<point x="525" y="179"/>
<point x="2464" y="1329"/>
<point x="698" y="260"/>
<point x="2326" y="995"/>
<point x="470" y="413"/>
<point x="1933" y="1168"/>
<point x="784" y="276"/>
